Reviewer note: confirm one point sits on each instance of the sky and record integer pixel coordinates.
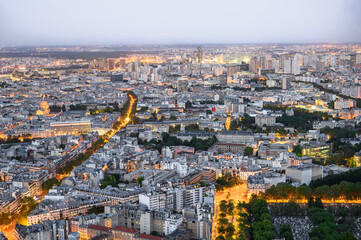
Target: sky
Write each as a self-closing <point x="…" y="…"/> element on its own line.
<point x="117" y="22"/>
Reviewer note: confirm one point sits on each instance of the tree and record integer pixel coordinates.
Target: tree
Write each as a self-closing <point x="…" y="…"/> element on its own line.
<point x="222" y="215"/>
<point x="140" y="181"/>
<point x="331" y="105"/>
<point x="348" y="236"/>
<point x="248" y="151"/>
<point x="221" y="229"/>
<point x="154" y="115"/>
<point x="235" y="124"/>
<point x="311" y="202"/>
<point x="95" y="210"/>
<point x="173" y="118"/>
<point x="143" y="109"/>
<point x="230" y="231"/>
<point x="303" y="192"/>
<point x="297" y="149"/>
<point x="322" y="217"/>
<point x="322" y="192"/>
<point x="286" y="232"/>
<point x="188" y="104"/>
<point x="334" y="192"/>
<point x="325" y="231"/>
<point x="208" y="112"/>
<point x="48" y="184"/>
<point x="223" y="206"/>
<point x="230" y="207"/>
<point x="109" y="180"/>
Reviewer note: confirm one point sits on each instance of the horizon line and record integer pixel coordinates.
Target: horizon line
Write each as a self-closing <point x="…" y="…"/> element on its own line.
<point x="175" y="44"/>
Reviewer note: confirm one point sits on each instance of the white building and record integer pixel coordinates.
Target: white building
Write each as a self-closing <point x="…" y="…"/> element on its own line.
<point x="172" y="223"/>
<point x="154" y="201"/>
<point x="181" y="167"/>
<point x="304" y="173"/>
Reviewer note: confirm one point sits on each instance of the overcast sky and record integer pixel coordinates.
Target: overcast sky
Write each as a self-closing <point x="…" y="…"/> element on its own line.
<point x="66" y="22"/>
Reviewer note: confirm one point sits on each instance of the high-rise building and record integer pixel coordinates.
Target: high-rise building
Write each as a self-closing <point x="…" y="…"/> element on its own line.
<point x="199" y="55"/>
<point x="253" y="66"/>
<point x="287" y="66"/>
<point x="222" y="79"/>
<point x="353" y="60"/>
<point x="298" y="57"/>
<point x="182" y="84"/>
<point x="111" y="63"/>
<point x="320" y="66"/>
<point x="154" y="201"/>
<point x="285" y="83"/>
<point x="296" y="64"/>
<point x="103" y="65"/>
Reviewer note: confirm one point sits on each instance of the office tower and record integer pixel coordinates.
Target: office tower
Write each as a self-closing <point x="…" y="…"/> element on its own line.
<point x="122" y="63"/>
<point x="195" y="57"/>
<point x="199" y="55"/>
<point x="285" y="84"/>
<point x="296" y="66"/>
<point x="282" y="59"/>
<point x="276" y="65"/>
<point x="253" y="66"/>
<point x="233" y="69"/>
<point x="218" y="71"/>
<point x="262" y="62"/>
<point x="332" y="60"/>
<point x="222" y="79"/>
<point x="287" y="66"/>
<point x="182" y="84"/>
<point x="353" y="60"/>
<point x="103" y="65"/>
<point x="131" y="67"/>
<point x="320" y="66"/>
<point x="111" y="63"/>
<point x="137" y="65"/>
<point x="269" y="64"/>
<point x="298" y="57"/>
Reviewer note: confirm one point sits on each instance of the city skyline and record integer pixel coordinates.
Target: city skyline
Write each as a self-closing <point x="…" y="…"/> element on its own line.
<point x="43" y="23"/>
<point x="178" y="120"/>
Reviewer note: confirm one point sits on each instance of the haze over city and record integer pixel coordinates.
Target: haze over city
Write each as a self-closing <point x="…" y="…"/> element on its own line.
<point x="89" y="22"/>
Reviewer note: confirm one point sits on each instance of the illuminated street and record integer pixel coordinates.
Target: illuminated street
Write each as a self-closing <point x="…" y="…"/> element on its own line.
<point x="237" y="194"/>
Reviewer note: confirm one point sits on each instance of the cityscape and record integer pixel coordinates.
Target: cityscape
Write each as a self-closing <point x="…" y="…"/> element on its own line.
<point x="132" y="137"/>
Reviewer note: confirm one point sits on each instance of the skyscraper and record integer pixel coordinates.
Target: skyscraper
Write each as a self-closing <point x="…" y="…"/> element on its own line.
<point x="103" y="65"/>
<point x="296" y="64"/>
<point x="199" y="55"/>
<point x="253" y="66"/>
<point x="285" y="83"/>
<point x="353" y="60"/>
<point x="111" y="63"/>
<point x="287" y="66"/>
<point x="182" y="84"/>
